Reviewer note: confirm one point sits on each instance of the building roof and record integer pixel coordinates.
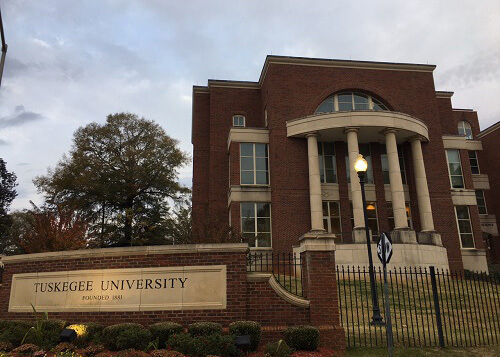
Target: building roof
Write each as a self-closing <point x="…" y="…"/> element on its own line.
<point x="489" y="130"/>
<point x="318" y="62"/>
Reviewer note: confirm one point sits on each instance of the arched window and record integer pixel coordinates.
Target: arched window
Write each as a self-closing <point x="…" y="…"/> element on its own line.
<point x="349" y="101"/>
<point x="465" y="129"/>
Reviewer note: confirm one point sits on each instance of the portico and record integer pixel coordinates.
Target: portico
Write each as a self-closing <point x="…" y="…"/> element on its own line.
<point x="389" y="129"/>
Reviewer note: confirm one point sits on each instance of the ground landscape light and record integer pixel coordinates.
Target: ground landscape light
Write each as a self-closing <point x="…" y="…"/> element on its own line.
<point x="360" y="165"/>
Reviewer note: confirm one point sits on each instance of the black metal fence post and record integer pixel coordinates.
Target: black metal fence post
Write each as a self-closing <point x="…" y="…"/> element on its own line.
<point x="436" y="306"/>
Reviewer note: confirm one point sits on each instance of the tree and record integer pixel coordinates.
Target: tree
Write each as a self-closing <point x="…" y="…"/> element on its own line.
<point x="7" y="188"/>
<point x="47" y="229"/>
<point x="119" y="176"/>
<point x="180" y="222"/>
<point x="7" y="195"/>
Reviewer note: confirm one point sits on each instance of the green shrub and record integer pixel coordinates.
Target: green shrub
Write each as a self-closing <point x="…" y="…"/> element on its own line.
<point x="302" y="338"/>
<point x="88" y="333"/>
<point x="204" y="345"/>
<point x="278" y="349"/>
<point x="126" y="336"/>
<point x="204" y="328"/>
<point x="45" y="333"/>
<point x="28" y="349"/>
<point x="163" y="330"/>
<point x="13" y="331"/>
<point x="251" y="328"/>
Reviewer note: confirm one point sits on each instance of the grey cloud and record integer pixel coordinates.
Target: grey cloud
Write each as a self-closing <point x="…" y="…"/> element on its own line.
<point x="19" y="117"/>
<point x="484" y="67"/>
<point x="3" y="142"/>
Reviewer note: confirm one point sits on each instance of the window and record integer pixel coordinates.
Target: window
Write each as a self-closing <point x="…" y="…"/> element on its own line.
<point x="455" y="168"/>
<point x="239" y="120"/>
<point x="256" y="224"/>
<point x="474" y="164"/>
<point x="465" y="129"/>
<point x="390" y="215"/>
<point x="331" y="217"/>
<point x="481" y="202"/>
<point x="385" y="164"/>
<point x="254" y="164"/>
<point x="349" y="101"/>
<point x="464" y="226"/>
<point x="371" y="213"/>
<point x="327" y="163"/>
<point x="364" y="149"/>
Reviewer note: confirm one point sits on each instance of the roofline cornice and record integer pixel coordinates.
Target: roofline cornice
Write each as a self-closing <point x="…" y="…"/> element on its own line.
<point x="319" y="62"/>
<point x="489" y="130"/>
<point x="443" y="94"/>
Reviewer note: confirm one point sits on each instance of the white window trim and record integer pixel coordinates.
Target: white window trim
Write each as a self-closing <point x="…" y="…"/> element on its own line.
<point x="255" y="224"/>
<point x="458" y="229"/>
<point x="239" y="116"/>
<point x="461" y="170"/>
<point x="255" y="167"/>
<point x="328" y="217"/>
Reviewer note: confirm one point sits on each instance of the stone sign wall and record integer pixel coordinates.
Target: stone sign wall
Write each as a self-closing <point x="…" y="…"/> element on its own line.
<point x="184" y="284"/>
<point x="136" y="289"/>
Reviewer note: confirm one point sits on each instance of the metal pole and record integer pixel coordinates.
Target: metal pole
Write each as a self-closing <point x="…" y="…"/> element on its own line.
<point x="388" y="325"/>
<point x="376" y="318"/>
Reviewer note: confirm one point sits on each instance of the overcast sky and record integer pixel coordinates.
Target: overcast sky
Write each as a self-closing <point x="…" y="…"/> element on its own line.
<point x="71" y="62"/>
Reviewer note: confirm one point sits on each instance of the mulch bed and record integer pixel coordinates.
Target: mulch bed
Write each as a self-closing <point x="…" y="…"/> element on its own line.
<point x="320" y="352"/>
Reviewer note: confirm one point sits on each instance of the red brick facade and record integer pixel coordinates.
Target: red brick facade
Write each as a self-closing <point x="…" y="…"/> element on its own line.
<point x="291" y="88"/>
<point x="488" y="164"/>
<point x="248" y="297"/>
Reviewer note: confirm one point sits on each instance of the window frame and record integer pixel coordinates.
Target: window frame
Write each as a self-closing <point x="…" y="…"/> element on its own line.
<point x="239" y="116"/>
<point x="374" y="203"/>
<point x="255" y="218"/>
<point x="464" y="125"/>
<point x="471" y="159"/>
<point x="458" y="228"/>
<point x="401" y="160"/>
<point x="322" y="161"/>
<point x="390" y="214"/>
<point x="449" y="171"/>
<point x="369" y="171"/>
<point x="483" y="205"/>
<point x="254" y="162"/>
<point x="328" y="218"/>
<point x="333" y="101"/>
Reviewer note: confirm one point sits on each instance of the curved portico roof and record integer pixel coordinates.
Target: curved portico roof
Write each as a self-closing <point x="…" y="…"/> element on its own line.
<point x="371" y="124"/>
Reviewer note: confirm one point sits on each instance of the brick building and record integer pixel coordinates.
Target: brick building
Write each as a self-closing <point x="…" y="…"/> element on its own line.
<point x="489" y="197"/>
<point x="271" y="159"/>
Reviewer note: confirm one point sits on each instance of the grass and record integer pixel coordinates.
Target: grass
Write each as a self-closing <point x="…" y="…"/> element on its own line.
<point x="470" y="311"/>
<point x="490" y="351"/>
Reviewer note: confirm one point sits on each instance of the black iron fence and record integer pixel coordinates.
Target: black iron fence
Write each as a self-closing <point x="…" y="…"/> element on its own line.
<point x="285" y="267"/>
<point x="428" y="307"/>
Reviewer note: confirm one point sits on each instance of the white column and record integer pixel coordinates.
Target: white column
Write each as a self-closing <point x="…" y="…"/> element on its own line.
<point x="397" y="193"/>
<point x="314" y="183"/>
<point x="423" y="199"/>
<point x="357" y="202"/>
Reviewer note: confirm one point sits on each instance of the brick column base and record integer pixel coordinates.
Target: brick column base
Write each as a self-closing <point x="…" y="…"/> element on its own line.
<point x="320" y="286"/>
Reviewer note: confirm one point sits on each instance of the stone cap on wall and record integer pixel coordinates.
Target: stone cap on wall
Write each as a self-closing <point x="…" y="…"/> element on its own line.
<point x="120" y="251"/>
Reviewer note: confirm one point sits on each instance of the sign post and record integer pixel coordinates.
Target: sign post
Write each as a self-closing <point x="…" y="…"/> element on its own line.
<point x="384" y="252"/>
